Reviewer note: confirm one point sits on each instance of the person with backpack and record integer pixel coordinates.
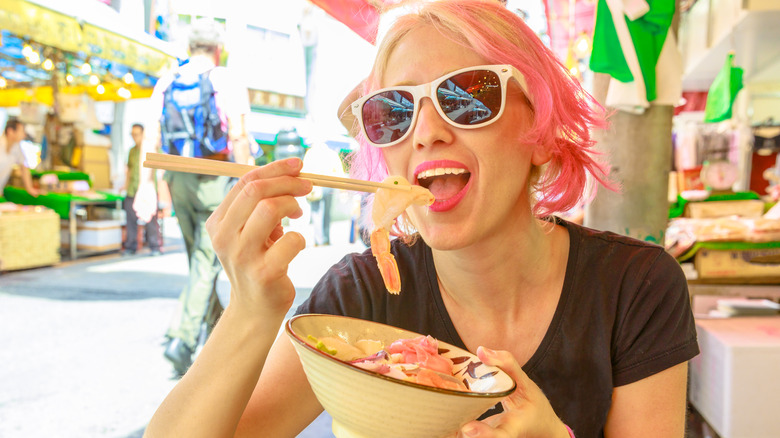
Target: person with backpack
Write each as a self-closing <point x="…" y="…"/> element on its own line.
<point x="202" y="115"/>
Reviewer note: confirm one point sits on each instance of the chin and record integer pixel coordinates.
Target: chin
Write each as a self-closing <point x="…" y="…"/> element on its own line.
<point x="444" y="238"/>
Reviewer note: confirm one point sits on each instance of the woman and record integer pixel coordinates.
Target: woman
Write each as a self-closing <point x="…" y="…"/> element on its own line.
<point x="600" y="323"/>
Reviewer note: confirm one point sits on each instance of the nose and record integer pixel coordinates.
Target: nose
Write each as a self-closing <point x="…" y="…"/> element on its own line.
<point x="430" y="128"/>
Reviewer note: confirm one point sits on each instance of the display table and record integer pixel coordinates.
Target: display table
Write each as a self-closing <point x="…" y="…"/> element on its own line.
<point x="66" y="205"/>
<point x="733" y="382"/>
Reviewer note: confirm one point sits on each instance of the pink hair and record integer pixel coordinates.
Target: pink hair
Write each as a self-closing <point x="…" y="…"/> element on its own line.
<point x="564" y="112"/>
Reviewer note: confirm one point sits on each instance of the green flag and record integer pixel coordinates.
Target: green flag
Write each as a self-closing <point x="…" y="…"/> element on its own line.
<point x="723" y="91"/>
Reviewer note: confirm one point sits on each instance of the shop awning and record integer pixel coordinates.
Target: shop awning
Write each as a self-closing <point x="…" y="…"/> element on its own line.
<point x="63" y="36"/>
<point x="85" y="26"/>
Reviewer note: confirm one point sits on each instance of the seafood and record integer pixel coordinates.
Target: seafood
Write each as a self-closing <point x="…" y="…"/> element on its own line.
<point x="417" y="360"/>
<point x="388" y="205"/>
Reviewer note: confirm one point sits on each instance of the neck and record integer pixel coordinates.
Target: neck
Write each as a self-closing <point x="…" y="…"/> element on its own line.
<point x="495" y="277"/>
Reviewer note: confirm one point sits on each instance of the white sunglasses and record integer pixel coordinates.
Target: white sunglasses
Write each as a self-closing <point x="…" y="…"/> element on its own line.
<point x="468" y="98"/>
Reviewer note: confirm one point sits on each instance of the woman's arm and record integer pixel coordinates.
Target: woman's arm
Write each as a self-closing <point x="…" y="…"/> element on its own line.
<point x="654" y="406"/>
<point x="209" y="399"/>
<point x="283" y="403"/>
<point x="255" y="252"/>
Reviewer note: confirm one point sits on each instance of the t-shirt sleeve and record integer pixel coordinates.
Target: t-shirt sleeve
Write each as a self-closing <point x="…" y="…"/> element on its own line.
<point x="345" y="289"/>
<point x="655" y="329"/>
<point x="17" y="156"/>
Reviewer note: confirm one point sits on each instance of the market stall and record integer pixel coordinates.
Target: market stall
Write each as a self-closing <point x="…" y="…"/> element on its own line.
<point x="58" y="62"/>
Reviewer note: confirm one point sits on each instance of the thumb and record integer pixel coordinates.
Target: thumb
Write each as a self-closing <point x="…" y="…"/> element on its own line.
<point x="507" y="362"/>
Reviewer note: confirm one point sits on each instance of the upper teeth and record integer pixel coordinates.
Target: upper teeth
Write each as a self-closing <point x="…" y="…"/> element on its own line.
<point x="440" y="171"/>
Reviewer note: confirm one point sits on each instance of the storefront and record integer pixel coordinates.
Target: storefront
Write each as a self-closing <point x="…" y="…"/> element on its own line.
<point x="63" y="65"/>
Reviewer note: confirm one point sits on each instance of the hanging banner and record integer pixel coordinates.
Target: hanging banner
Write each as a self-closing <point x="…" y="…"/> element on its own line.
<point x="56" y="29"/>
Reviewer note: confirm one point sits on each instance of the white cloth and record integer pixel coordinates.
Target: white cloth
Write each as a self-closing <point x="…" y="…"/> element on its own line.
<point x="632" y="96"/>
<point x="8" y="159"/>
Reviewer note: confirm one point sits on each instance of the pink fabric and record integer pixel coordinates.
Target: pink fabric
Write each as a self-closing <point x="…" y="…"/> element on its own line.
<point x="559" y="23"/>
<point x="359" y="15"/>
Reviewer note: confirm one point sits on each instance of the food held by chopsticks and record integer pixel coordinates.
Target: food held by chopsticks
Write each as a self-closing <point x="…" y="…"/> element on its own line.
<point x="393" y="196"/>
<point x="388" y="205"/>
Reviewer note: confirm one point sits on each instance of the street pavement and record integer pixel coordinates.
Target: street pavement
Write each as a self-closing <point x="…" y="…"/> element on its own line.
<point x="80" y="342"/>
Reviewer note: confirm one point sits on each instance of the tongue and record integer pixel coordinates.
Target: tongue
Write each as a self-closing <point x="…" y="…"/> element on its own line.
<point x="447" y="186"/>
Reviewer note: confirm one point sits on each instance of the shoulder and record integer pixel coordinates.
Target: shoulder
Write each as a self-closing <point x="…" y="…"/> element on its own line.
<point x="624" y="271"/>
<point x="612" y="247"/>
<point x="16" y="150"/>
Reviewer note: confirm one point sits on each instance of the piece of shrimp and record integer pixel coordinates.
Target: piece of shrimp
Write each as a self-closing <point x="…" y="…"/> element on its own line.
<point x="388" y="205"/>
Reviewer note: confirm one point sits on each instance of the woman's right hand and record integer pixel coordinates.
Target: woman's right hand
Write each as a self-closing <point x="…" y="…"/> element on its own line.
<point x="247" y="235"/>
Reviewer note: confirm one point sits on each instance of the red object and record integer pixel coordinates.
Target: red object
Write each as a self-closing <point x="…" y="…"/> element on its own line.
<point x="689" y="179"/>
<point x="694" y="101"/>
<point x="362" y="16"/>
<point x="758" y="165"/>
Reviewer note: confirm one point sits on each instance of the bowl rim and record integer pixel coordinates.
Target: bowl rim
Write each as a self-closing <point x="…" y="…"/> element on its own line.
<point x="471" y="394"/>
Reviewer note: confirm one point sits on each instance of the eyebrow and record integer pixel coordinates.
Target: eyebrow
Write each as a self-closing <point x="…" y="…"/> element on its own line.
<point x="411" y="84"/>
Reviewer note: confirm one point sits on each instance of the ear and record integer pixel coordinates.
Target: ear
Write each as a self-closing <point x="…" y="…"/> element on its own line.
<point x="541" y="155"/>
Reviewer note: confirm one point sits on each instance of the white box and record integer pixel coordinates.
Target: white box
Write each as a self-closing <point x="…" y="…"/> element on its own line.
<point x="99" y="235"/>
<point x="735" y="381"/>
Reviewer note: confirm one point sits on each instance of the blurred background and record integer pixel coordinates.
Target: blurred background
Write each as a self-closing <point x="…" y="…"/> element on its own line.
<point x="80" y="326"/>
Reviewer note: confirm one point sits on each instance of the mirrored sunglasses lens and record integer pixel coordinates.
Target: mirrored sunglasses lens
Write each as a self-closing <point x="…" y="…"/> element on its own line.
<point x="471" y="97"/>
<point x="387" y="116"/>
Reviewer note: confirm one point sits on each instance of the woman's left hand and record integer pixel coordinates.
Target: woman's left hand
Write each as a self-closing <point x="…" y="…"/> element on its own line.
<point x="527" y="412"/>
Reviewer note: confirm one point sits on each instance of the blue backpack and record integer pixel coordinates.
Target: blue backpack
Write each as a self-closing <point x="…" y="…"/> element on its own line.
<point x="192" y="125"/>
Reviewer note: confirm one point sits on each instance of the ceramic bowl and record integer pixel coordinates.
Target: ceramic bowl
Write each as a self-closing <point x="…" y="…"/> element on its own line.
<point x="366" y="404"/>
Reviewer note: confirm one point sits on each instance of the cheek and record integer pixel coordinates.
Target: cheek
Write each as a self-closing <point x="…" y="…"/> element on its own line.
<point x="395" y="159"/>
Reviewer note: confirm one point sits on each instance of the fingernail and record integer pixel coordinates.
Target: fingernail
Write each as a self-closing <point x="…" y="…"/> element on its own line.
<point x="470" y="430"/>
<point x="488" y="351"/>
<point x="294" y="163"/>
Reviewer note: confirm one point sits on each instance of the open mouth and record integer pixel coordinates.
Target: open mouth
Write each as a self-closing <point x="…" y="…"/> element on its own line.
<point x="444" y="182"/>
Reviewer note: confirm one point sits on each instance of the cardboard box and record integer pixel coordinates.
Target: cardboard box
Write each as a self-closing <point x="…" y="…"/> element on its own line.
<point x="746" y="263"/>
<point x="28" y="238"/>
<point x="734" y="382"/>
<point x="715" y="209"/>
<point x="99" y="235"/>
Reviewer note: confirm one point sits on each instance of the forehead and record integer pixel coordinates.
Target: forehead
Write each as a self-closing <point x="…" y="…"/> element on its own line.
<point x="425" y="54"/>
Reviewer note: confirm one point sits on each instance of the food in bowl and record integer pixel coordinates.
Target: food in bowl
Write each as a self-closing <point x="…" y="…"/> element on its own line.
<point x="417" y="360"/>
<point x="364" y="403"/>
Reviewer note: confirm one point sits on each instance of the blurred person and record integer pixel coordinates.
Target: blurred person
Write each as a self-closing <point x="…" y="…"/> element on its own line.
<point x="322" y="160"/>
<point x="596" y="328"/>
<point x="142" y="182"/>
<point x="11" y="155"/>
<point x="202" y="107"/>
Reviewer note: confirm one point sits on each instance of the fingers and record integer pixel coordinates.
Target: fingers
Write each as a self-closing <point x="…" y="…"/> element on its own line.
<point x="506" y="361"/>
<point x="256" y="194"/>
<point x="263" y="226"/>
<point x="527" y="412"/>
<point x="289" y="167"/>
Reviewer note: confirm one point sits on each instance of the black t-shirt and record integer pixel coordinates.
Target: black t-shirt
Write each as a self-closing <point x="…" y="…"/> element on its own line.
<point x="624" y="314"/>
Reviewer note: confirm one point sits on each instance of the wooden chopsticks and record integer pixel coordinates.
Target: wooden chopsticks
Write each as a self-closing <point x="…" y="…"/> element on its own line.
<point x="202" y="166"/>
